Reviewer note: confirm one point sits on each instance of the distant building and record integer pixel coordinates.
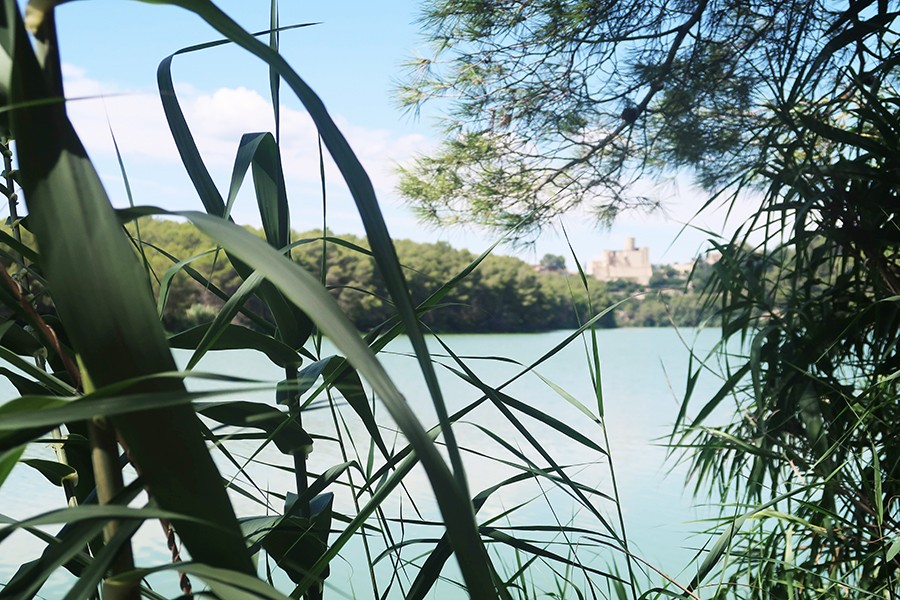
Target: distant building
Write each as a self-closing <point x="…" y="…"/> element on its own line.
<point x="683" y="269"/>
<point x="631" y="264"/>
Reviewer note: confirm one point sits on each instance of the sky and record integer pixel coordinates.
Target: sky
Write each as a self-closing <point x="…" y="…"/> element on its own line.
<point x="353" y="57"/>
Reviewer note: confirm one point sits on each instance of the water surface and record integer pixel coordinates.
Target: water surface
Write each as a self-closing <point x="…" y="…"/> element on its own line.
<point x="643" y="377"/>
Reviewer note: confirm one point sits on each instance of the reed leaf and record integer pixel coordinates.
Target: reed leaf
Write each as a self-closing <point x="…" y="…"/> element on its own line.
<point x="308" y="294"/>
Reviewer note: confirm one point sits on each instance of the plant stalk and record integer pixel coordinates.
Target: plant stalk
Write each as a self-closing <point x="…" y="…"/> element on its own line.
<point x="108" y="478"/>
<point x="12" y="199"/>
<point x="301" y="476"/>
<point x="108" y="481"/>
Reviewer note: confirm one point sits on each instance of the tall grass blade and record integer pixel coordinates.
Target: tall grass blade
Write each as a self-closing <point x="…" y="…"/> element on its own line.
<point x="306" y="292"/>
<point x="364" y="195"/>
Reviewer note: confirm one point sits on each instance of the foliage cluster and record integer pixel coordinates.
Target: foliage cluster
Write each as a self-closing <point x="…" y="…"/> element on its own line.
<point x="549" y="105"/>
<point x="791" y="102"/>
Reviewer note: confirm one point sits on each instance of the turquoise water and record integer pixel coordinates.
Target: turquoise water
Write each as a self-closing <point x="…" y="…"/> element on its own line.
<point x="643" y="376"/>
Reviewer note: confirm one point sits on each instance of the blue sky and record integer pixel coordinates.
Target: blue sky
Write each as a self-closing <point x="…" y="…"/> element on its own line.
<point x="352" y="58"/>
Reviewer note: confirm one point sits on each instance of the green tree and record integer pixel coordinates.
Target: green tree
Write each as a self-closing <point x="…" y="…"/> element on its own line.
<point x="550" y="104"/>
<point x="811" y="448"/>
<point x="553" y="262"/>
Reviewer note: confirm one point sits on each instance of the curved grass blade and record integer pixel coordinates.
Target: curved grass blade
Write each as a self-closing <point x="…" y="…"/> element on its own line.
<point x="96" y="512"/>
<point x="223" y="318"/>
<point x="293" y="327"/>
<point x="53" y="471"/>
<point x="271" y="193"/>
<point x="306" y="292"/>
<point x="28" y="417"/>
<point x="92" y="575"/>
<point x="223" y="583"/>
<point x="348" y="383"/>
<point x="282" y="429"/>
<point x="431" y="569"/>
<point x="23" y="385"/>
<point x="261" y="323"/>
<point x="66" y="549"/>
<point x="364" y="195"/>
<point x="165" y="282"/>
<point x="235" y="336"/>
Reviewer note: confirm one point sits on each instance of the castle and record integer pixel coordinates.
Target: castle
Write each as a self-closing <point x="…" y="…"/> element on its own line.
<point x="632" y="264"/>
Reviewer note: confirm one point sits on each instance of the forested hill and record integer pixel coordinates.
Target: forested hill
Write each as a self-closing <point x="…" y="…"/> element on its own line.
<point x="503" y="294"/>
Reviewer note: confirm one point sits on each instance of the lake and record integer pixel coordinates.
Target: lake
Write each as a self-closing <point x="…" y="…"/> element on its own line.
<point x="643" y="377"/>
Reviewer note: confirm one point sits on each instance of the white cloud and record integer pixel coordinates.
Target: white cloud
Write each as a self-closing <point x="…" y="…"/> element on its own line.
<point x="218" y="119"/>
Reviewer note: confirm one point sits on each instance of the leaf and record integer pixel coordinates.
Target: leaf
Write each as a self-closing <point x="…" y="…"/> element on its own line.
<point x="27" y="407"/>
<point x="281" y="427"/>
<point x="294" y="328"/>
<point x="55" y="472"/>
<point x="296" y="543"/>
<point x="306" y="377"/>
<point x="8" y="460"/>
<point x="474" y="562"/>
<point x="879" y="492"/>
<point x="54" y="384"/>
<point x="726" y="389"/>
<point x="348" y="383"/>
<point x="165" y="282"/>
<point x="94" y="512"/>
<point x="16" y="339"/>
<point x="89" y="578"/>
<point x="225" y="584"/>
<point x="271" y="194"/>
<point x="65" y="549"/>
<point x="28" y="417"/>
<point x="894" y="549"/>
<point x="26" y="252"/>
<point x="234" y="337"/>
<point x="23" y="385"/>
<point x="723" y="542"/>
<point x="224" y="317"/>
<point x="660" y="592"/>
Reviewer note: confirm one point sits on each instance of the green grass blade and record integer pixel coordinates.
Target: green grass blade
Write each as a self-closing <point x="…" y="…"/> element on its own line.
<point x="364" y="195"/>
<point x="280" y="427"/>
<point x="293" y="327"/>
<point x="8" y="460"/>
<point x="165" y="282"/>
<point x="88" y="580"/>
<point x="259" y="322"/>
<point x="234" y="337"/>
<point x="65" y="549"/>
<point x="223" y="318"/>
<point x="274" y="78"/>
<point x="224" y="584"/>
<point x="306" y="292"/>
<point x="271" y="193"/>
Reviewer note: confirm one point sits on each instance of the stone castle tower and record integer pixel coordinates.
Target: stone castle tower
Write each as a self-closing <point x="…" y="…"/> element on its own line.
<point x="630" y="264"/>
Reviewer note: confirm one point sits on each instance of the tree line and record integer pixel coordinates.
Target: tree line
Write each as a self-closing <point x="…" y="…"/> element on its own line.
<point x="502" y="294"/>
